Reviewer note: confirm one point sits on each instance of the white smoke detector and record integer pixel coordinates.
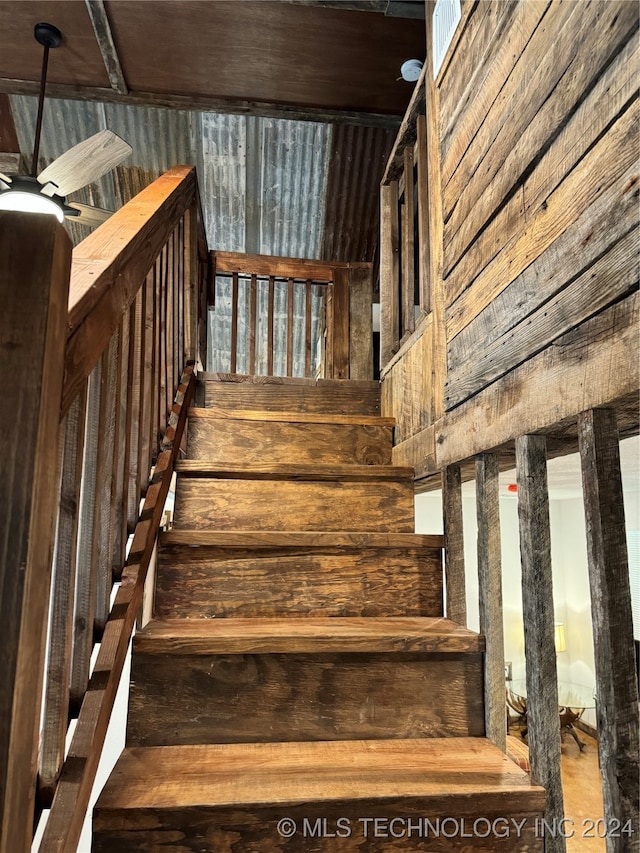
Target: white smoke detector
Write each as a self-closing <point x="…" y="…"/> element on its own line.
<point x="411" y="70"/>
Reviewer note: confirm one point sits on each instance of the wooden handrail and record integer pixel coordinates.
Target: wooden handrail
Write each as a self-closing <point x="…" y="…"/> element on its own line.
<point x="110" y="265"/>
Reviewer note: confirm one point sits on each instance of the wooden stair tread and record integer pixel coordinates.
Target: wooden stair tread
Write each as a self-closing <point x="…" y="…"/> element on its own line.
<point x="215" y="412"/>
<point x="297" y="539"/>
<point x="344" y="397"/>
<point x="312" y="634"/>
<point x="316" y="473"/>
<point x="253" y="774"/>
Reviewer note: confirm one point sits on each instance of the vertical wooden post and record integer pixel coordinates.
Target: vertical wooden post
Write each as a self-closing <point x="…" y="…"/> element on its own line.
<point x="191" y="285"/>
<point x="35" y="263"/>
<point x="389" y="272"/>
<point x="360" y="323"/>
<point x="436" y="230"/>
<point x="340" y="323"/>
<point x="456" y="604"/>
<point x="408" y="265"/>
<point x="537" y="609"/>
<point x="616" y="680"/>
<point x="423" y="211"/>
<point x="490" y="595"/>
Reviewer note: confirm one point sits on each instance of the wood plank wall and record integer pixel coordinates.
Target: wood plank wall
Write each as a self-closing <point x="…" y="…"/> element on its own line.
<point x="538" y="122"/>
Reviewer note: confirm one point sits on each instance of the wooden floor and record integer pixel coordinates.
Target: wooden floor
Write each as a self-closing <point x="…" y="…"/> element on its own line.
<point x="582" y="793"/>
<point x="582" y="790"/>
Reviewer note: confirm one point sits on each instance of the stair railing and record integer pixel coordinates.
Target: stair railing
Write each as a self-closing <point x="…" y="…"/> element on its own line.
<point x="289" y="317"/>
<point x="109" y="386"/>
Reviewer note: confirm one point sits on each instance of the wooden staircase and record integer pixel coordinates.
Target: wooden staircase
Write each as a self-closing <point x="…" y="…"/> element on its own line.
<point x="299" y="688"/>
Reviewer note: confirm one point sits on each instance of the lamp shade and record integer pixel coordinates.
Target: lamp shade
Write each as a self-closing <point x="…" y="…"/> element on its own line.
<point x="561" y="644"/>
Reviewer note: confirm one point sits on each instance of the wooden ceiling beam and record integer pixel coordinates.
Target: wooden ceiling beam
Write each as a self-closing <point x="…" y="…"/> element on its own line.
<point x="392" y="8"/>
<point x="201" y="103"/>
<point x="104" y="37"/>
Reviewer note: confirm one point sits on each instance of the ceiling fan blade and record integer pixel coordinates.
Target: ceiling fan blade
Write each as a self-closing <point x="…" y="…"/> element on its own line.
<point x="85" y="162"/>
<point x="89" y="215"/>
<point x="4" y="185"/>
<point x="5" y="179"/>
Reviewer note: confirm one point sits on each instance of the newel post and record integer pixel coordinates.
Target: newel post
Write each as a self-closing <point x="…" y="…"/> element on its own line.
<point x="35" y="263"/>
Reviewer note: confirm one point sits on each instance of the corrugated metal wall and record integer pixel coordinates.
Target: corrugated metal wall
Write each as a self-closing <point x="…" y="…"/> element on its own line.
<point x="268" y="186"/>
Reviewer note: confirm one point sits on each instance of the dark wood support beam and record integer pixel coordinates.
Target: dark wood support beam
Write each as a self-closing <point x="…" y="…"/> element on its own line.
<point x="490" y="595"/>
<point x="201" y="103"/>
<point x="104" y="37"/>
<point x="538" y="615"/>
<point x="456" y="603"/>
<point x="616" y="680"/>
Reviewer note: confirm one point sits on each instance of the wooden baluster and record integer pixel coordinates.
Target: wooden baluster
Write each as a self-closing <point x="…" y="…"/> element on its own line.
<point x="146" y="447"/>
<point x="616" y="679"/>
<point x="56" y="717"/>
<point x="87" y="564"/>
<point x="456" y="606"/>
<point x="119" y="544"/>
<point x="341" y="324"/>
<point x="389" y="272"/>
<point x="307" y="327"/>
<point x="270" y="322"/>
<point x="191" y="276"/>
<point x="103" y="539"/>
<point x="181" y="349"/>
<point x="162" y="403"/>
<point x="166" y="339"/>
<point x="168" y="335"/>
<point x="360" y="322"/>
<point x="408" y="270"/>
<point x="135" y="367"/>
<point x="490" y="595"/>
<point x="253" y="319"/>
<point x="175" y="315"/>
<point x="234" y="322"/>
<point x="142" y="472"/>
<point x="423" y="214"/>
<point x="538" y="616"/>
<point x="156" y="390"/>
<point x="127" y="485"/>
<point x="290" y="327"/>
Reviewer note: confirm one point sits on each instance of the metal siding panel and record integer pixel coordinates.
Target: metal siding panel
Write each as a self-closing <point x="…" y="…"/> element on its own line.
<point x="294" y="160"/>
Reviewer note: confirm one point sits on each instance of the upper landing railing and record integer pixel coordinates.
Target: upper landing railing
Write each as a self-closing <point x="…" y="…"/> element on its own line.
<point x="289" y="317"/>
<point x="94" y="399"/>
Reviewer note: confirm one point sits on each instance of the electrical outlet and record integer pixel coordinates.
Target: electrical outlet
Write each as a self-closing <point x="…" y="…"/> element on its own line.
<point x="508" y="675"/>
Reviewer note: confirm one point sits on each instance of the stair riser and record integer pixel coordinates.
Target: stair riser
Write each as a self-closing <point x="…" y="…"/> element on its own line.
<point x="206" y="582"/>
<point x="251" y="442"/>
<point x="330" y="399"/>
<point x="218" y="504"/>
<point x="179" y="699"/>
<point x="331" y="827"/>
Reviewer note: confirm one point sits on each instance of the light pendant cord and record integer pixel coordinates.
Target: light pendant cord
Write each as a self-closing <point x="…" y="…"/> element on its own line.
<point x="43" y="83"/>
